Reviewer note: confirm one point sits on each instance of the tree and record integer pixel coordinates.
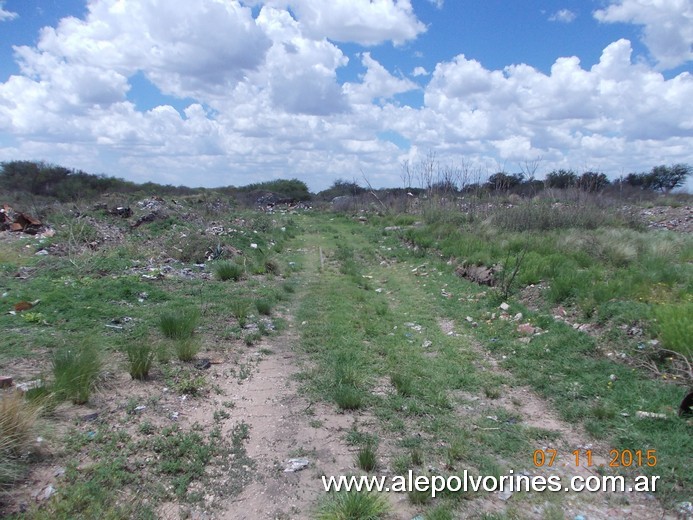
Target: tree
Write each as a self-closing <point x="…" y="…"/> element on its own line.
<point x="503" y="182"/>
<point x="593" y="181"/>
<point x="561" y="179"/>
<point x="666" y="178"/>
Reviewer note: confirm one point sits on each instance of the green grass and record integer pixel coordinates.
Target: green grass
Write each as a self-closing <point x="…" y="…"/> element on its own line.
<point x="674" y="326"/>
<point x="367" y="457"/>
<point x="76" y="368"/>
<point x="240" y="310"/>
<point x="264" y="306"/>
<point x="179" y="324"/>
<point x="186" y="348"/>
<point x="353" y="506"/>
<point x="227" y="270"/>
<point x="140" y="358"/>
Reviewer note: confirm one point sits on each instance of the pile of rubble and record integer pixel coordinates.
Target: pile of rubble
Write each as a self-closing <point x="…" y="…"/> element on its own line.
<point x="18" y="222"/>
<point x="665" y="217"/>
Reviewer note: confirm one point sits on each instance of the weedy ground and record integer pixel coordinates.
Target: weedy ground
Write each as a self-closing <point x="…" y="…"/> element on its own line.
<point x="400" y="363"/>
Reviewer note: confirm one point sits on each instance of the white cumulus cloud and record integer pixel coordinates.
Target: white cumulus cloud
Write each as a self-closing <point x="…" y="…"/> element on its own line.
<point x="667" y="26"/>
<point x="367" y="22"/>
<point x="261" y="93"/>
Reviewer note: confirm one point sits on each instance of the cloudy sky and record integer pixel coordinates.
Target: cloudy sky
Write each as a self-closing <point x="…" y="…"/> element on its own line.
<point x="218" y="92"/>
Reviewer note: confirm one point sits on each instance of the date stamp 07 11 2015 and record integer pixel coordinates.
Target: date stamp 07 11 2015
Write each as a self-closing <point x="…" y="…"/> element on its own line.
<point x="617" y="458"/>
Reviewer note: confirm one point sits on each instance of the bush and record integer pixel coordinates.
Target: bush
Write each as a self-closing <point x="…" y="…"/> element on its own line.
<point x="75" y="370"/>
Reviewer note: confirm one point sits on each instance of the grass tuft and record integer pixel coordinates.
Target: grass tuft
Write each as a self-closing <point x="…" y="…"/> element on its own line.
<point x="367" y="458"/>
<point x="264" y="306"/>
<point x="140" y="358"/>
<point x="179" y="324"/>
<point x="239" y="310"/>
<point x="347" y="397"/>
<point x="17" y="425"/>
<point x="187" y="349"/>
<point x="352" y="506"/>
<point x="226" y="270"/>
<point x="75" y="370"/>
<point x="675" y="327"/>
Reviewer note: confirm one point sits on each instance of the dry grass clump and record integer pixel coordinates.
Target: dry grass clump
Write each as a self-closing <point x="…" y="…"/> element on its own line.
<point x="18" y="420"/>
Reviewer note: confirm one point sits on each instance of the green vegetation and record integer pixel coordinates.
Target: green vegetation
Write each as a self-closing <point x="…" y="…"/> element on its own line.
<point x="367" y="457"/>
<point x="227" y="270"/>
<point x="140" y="359"/>
<point x="76" y="368"/>
<point x="353" y="505"/>
<point x="179" y="324"/>
<point x="392" y="335"/>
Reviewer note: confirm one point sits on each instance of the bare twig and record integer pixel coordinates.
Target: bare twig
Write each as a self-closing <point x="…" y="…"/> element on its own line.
<point x="372" y="191"/>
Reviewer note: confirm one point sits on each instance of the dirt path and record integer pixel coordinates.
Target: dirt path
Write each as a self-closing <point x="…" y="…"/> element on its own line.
<point x="283" y="426"/>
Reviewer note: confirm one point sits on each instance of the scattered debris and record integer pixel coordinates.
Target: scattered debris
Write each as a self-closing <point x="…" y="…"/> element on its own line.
<point x="203" y="364"/>
<point x="29" y="385"/>
<point x="16" y="221"/>
<point x="25" y="306"/>
<point x="649" y="415"/>
<point x="296" y="465"/>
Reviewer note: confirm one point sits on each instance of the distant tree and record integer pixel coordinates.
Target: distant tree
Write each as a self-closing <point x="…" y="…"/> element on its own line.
<point x="293" y="189"/>
<point x="341" y="188"/>
<point x="666" y="178"/>
<point x="592" y="181"/>
<point x="561" y="179"/>
<point x="660" y="178"/>
<point x="637" y="180"/>
<point x="503" y="181"/>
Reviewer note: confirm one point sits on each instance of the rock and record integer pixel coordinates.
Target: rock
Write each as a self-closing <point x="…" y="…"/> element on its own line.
<point x="526" y="329"/>
<point x="504" y="306"/>
<point x="90" y="417"/>
<point x="46" y="493"/>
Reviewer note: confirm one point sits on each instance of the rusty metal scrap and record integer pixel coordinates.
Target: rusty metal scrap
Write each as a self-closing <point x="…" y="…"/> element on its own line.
<point x="16" y="221"/>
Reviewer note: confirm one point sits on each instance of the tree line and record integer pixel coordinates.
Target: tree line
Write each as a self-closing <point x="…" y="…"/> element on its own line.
<point x="428" y="177"/>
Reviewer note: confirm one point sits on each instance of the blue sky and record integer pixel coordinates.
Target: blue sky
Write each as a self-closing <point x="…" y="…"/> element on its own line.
<point x="221" y="92"/>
